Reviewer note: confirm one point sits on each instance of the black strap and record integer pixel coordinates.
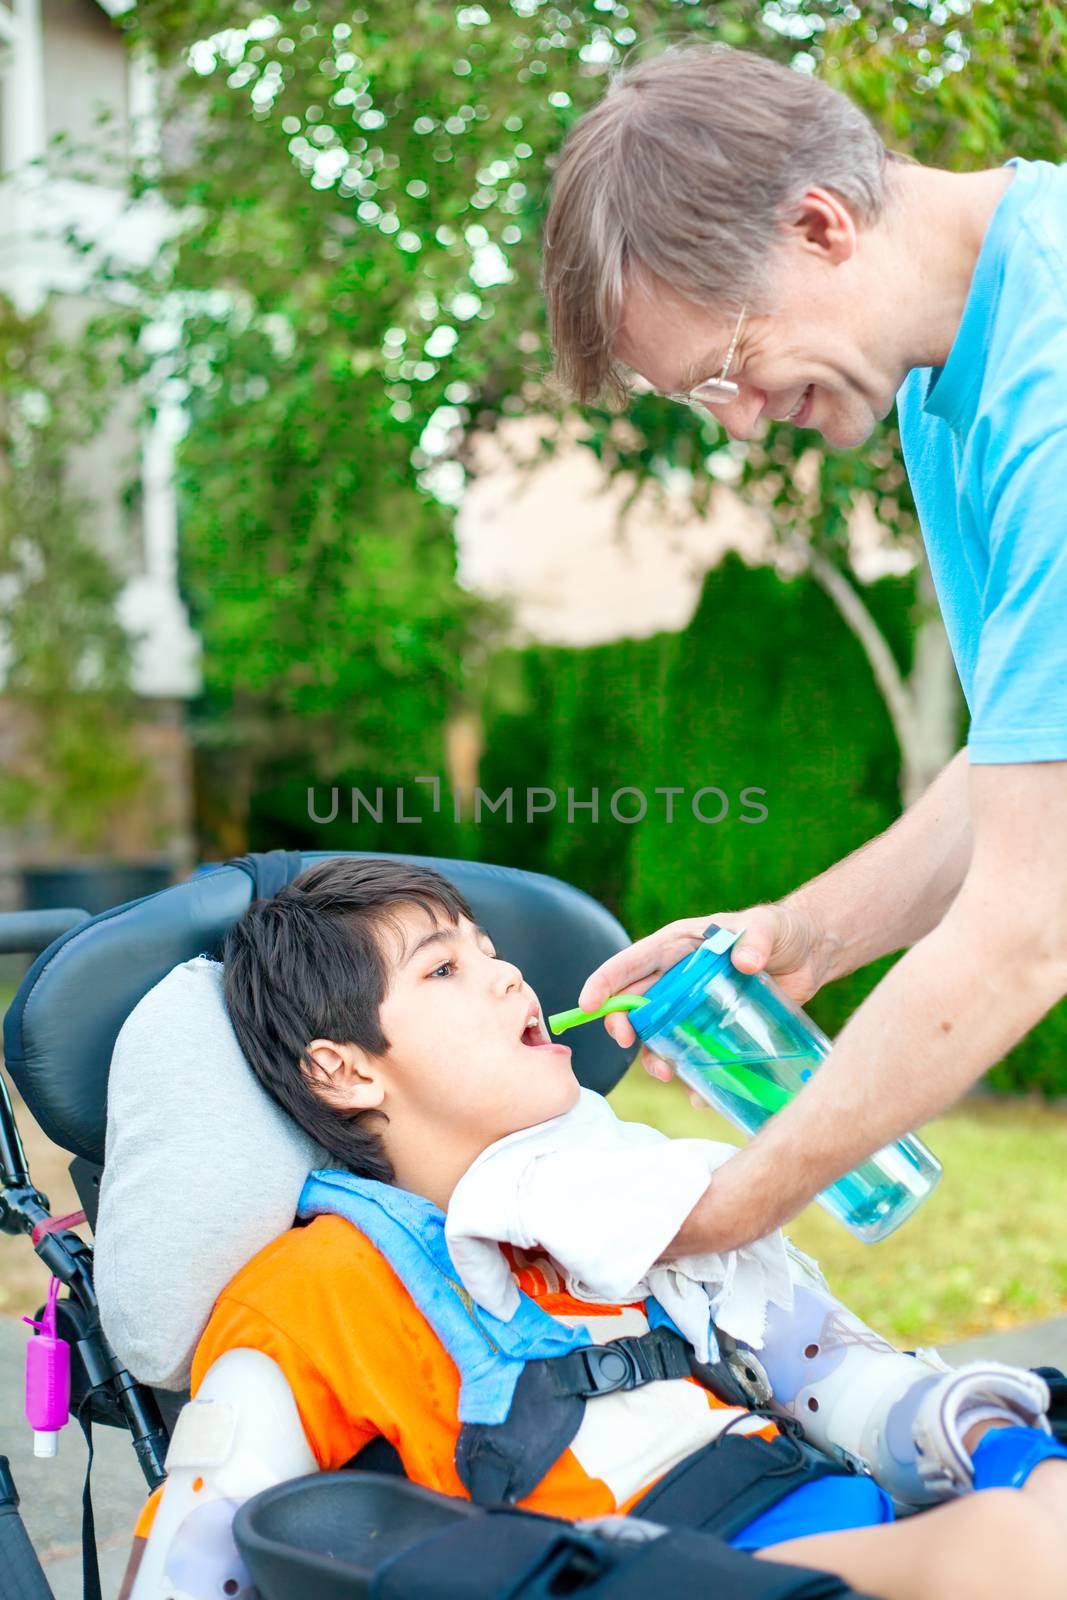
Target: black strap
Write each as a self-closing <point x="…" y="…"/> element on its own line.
<point x="734" y="1479"/>
<point x="99" y="1380"/>
<point x="269" y="870"/>
<point x="628" y="1363"/>
<point x="90" y="1561"/>
<point x="1057" y="1411"/>
<point x="501" y="1463"/>
<point x="521" y="1556"/>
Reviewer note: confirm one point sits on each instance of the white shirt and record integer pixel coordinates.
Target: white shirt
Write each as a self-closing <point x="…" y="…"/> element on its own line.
<point x="604" y="1198"/>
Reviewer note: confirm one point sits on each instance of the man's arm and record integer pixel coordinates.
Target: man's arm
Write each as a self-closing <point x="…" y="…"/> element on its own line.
<point x="886" y="894"/>
<point x="950" y="1008"/>
<point x="894" y="889"/>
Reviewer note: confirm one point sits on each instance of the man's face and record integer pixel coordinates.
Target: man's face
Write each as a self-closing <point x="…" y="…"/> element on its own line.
<point x="469" y="1048"/>
<point x="811" y="361"/>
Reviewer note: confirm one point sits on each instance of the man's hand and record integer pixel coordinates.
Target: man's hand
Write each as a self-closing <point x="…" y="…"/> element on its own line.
<point x="954" y="1004"/>
<point x="781" y="939"/>
<point x="887" y="894"/>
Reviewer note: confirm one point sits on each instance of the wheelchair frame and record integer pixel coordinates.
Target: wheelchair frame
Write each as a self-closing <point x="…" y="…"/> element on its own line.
<point x="102" y="1390"/>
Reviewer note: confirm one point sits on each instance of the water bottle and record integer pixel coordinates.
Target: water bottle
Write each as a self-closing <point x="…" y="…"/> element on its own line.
<point x="747" y="1049"/>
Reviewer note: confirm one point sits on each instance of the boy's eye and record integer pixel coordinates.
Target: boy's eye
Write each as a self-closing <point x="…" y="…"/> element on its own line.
<point x="446" y="966"/>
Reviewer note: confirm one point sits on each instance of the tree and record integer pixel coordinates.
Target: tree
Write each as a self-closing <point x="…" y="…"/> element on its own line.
<point x="365" y="187"/>
<point x="70" y="763"/>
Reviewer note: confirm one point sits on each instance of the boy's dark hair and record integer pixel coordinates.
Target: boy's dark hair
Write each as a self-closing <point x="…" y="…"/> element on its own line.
<point x="309" y="964"/>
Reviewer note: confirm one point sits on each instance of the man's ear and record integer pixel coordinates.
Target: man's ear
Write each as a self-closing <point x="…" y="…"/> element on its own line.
<point x="345" y="1075"/>
<point x="823" y="224"/>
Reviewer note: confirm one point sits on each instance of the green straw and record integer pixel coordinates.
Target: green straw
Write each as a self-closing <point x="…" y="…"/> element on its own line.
<point x="731" y="1073"/>
<point x="574" y="1018"/>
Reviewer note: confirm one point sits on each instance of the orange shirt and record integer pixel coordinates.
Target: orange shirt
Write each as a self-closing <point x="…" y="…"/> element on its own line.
<point x="362" y="1360"/>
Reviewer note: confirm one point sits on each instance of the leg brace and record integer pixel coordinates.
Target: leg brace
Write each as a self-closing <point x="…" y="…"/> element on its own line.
<point x="241" y="1434"/>
<point x="899" y="1418"/>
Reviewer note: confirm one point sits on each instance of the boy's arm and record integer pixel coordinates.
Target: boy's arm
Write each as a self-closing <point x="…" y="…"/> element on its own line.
<point x="287" y="1421"/>
<point x="910" y="1421"/>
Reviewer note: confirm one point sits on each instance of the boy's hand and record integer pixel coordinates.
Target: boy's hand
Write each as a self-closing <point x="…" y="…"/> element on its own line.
<point x="781" y="939"/>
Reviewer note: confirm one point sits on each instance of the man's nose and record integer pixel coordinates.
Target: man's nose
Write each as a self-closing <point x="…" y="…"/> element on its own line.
<point x="740" y="417"/>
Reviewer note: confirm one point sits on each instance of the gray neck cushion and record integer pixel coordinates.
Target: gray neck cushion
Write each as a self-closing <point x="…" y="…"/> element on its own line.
<point x="202" y="1171"/>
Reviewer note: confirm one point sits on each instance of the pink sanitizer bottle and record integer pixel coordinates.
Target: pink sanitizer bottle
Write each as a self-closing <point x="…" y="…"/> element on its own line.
<point x="47" y="1379"/>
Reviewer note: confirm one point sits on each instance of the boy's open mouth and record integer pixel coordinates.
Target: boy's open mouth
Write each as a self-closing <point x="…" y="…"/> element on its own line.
<point x="535" y="1035"/>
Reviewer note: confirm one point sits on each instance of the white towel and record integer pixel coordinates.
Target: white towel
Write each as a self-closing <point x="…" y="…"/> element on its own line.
<point x="604" y="1199"/>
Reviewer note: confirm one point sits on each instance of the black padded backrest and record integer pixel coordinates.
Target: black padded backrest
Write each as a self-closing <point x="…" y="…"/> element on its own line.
<point x="61" y="1027"/>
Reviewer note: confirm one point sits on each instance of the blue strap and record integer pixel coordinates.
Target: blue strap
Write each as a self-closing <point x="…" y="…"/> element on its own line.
<point x="269" y="870"/>
<point x="828" y="1506"/>
<point x="410" y="1233"/>
<point x="1005" y="1457"/>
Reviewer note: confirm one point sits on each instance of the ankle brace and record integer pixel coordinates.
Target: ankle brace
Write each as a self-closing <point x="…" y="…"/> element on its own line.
<point x="897" y="1418"/>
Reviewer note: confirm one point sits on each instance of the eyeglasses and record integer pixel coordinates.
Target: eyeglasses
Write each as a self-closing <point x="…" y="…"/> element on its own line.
<point x="716" y="390"/>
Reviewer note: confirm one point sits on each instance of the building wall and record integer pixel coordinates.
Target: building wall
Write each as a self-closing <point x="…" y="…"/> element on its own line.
<point x="157" y="828"/>
<point x="71" y="65"/>
<point x="105" y="471"/>
<point x="85" y="72"/>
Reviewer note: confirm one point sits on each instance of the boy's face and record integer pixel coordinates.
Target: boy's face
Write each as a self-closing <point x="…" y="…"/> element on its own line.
<point x="470" y="1055"/>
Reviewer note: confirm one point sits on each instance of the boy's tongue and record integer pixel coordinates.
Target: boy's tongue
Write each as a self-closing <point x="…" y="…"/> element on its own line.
<point x="534" y="1038"/>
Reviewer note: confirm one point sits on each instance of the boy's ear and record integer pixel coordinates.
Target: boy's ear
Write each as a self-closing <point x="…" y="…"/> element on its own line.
<point x="345" y="1074"/>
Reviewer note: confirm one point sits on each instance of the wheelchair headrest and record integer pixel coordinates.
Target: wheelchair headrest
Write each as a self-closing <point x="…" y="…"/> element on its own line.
<point x="61" y="1027"/>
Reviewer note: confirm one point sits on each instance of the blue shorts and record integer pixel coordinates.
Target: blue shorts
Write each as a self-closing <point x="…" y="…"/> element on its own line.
<point x="827" y="1506"/>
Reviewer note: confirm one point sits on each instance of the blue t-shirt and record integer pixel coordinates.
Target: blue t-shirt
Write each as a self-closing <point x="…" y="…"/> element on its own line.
<point x="985" y="442"/>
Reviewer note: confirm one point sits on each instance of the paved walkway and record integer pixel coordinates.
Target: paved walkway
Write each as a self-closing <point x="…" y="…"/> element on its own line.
<point x="51" y="1490"/>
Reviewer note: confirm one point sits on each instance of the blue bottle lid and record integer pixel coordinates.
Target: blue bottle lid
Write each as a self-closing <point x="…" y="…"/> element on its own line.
<point x="684" y="981"/>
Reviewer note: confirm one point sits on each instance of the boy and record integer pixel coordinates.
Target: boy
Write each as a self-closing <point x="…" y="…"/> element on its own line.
<point x="379" y="1015"/>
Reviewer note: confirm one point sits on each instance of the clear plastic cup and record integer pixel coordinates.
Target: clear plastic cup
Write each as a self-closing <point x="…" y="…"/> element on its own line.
<point x="747" y="1049"/>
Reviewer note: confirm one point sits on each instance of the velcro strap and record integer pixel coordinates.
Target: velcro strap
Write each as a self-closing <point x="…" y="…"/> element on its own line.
<point x="944" y="1462"/>
<point x="724" y="1486"/>
<point x="56" y="1224"/>
<point x="621" y="1364"/>
<point x="522" y="1556"/>
<point x="503" y="1554"/>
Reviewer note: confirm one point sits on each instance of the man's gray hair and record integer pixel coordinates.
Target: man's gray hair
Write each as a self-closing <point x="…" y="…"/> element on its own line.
<point x="686" y="172"/>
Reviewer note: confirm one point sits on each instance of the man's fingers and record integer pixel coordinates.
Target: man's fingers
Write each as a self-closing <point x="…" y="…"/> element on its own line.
<point x="656" y="1067"/>
<point x="778" y="940"/>
<point x="625" y="972"/>
<point x="753" y="950"/>
<point x="620" y="1029"/>
<point x="750" y="957"/>
<point x="616" y="976"/>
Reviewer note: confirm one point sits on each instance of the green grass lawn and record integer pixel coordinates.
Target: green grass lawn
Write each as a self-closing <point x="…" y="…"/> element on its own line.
<point x="987" y="1250"/>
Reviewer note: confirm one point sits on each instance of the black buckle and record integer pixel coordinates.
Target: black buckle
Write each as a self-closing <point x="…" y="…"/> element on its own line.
<point x="620" y="1364"/>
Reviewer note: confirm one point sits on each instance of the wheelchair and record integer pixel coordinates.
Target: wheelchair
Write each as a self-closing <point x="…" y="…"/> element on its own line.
<point x="364" y="1531"/>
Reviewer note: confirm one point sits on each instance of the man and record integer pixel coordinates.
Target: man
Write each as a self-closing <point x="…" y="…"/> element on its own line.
<point x="735" y="233"/>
